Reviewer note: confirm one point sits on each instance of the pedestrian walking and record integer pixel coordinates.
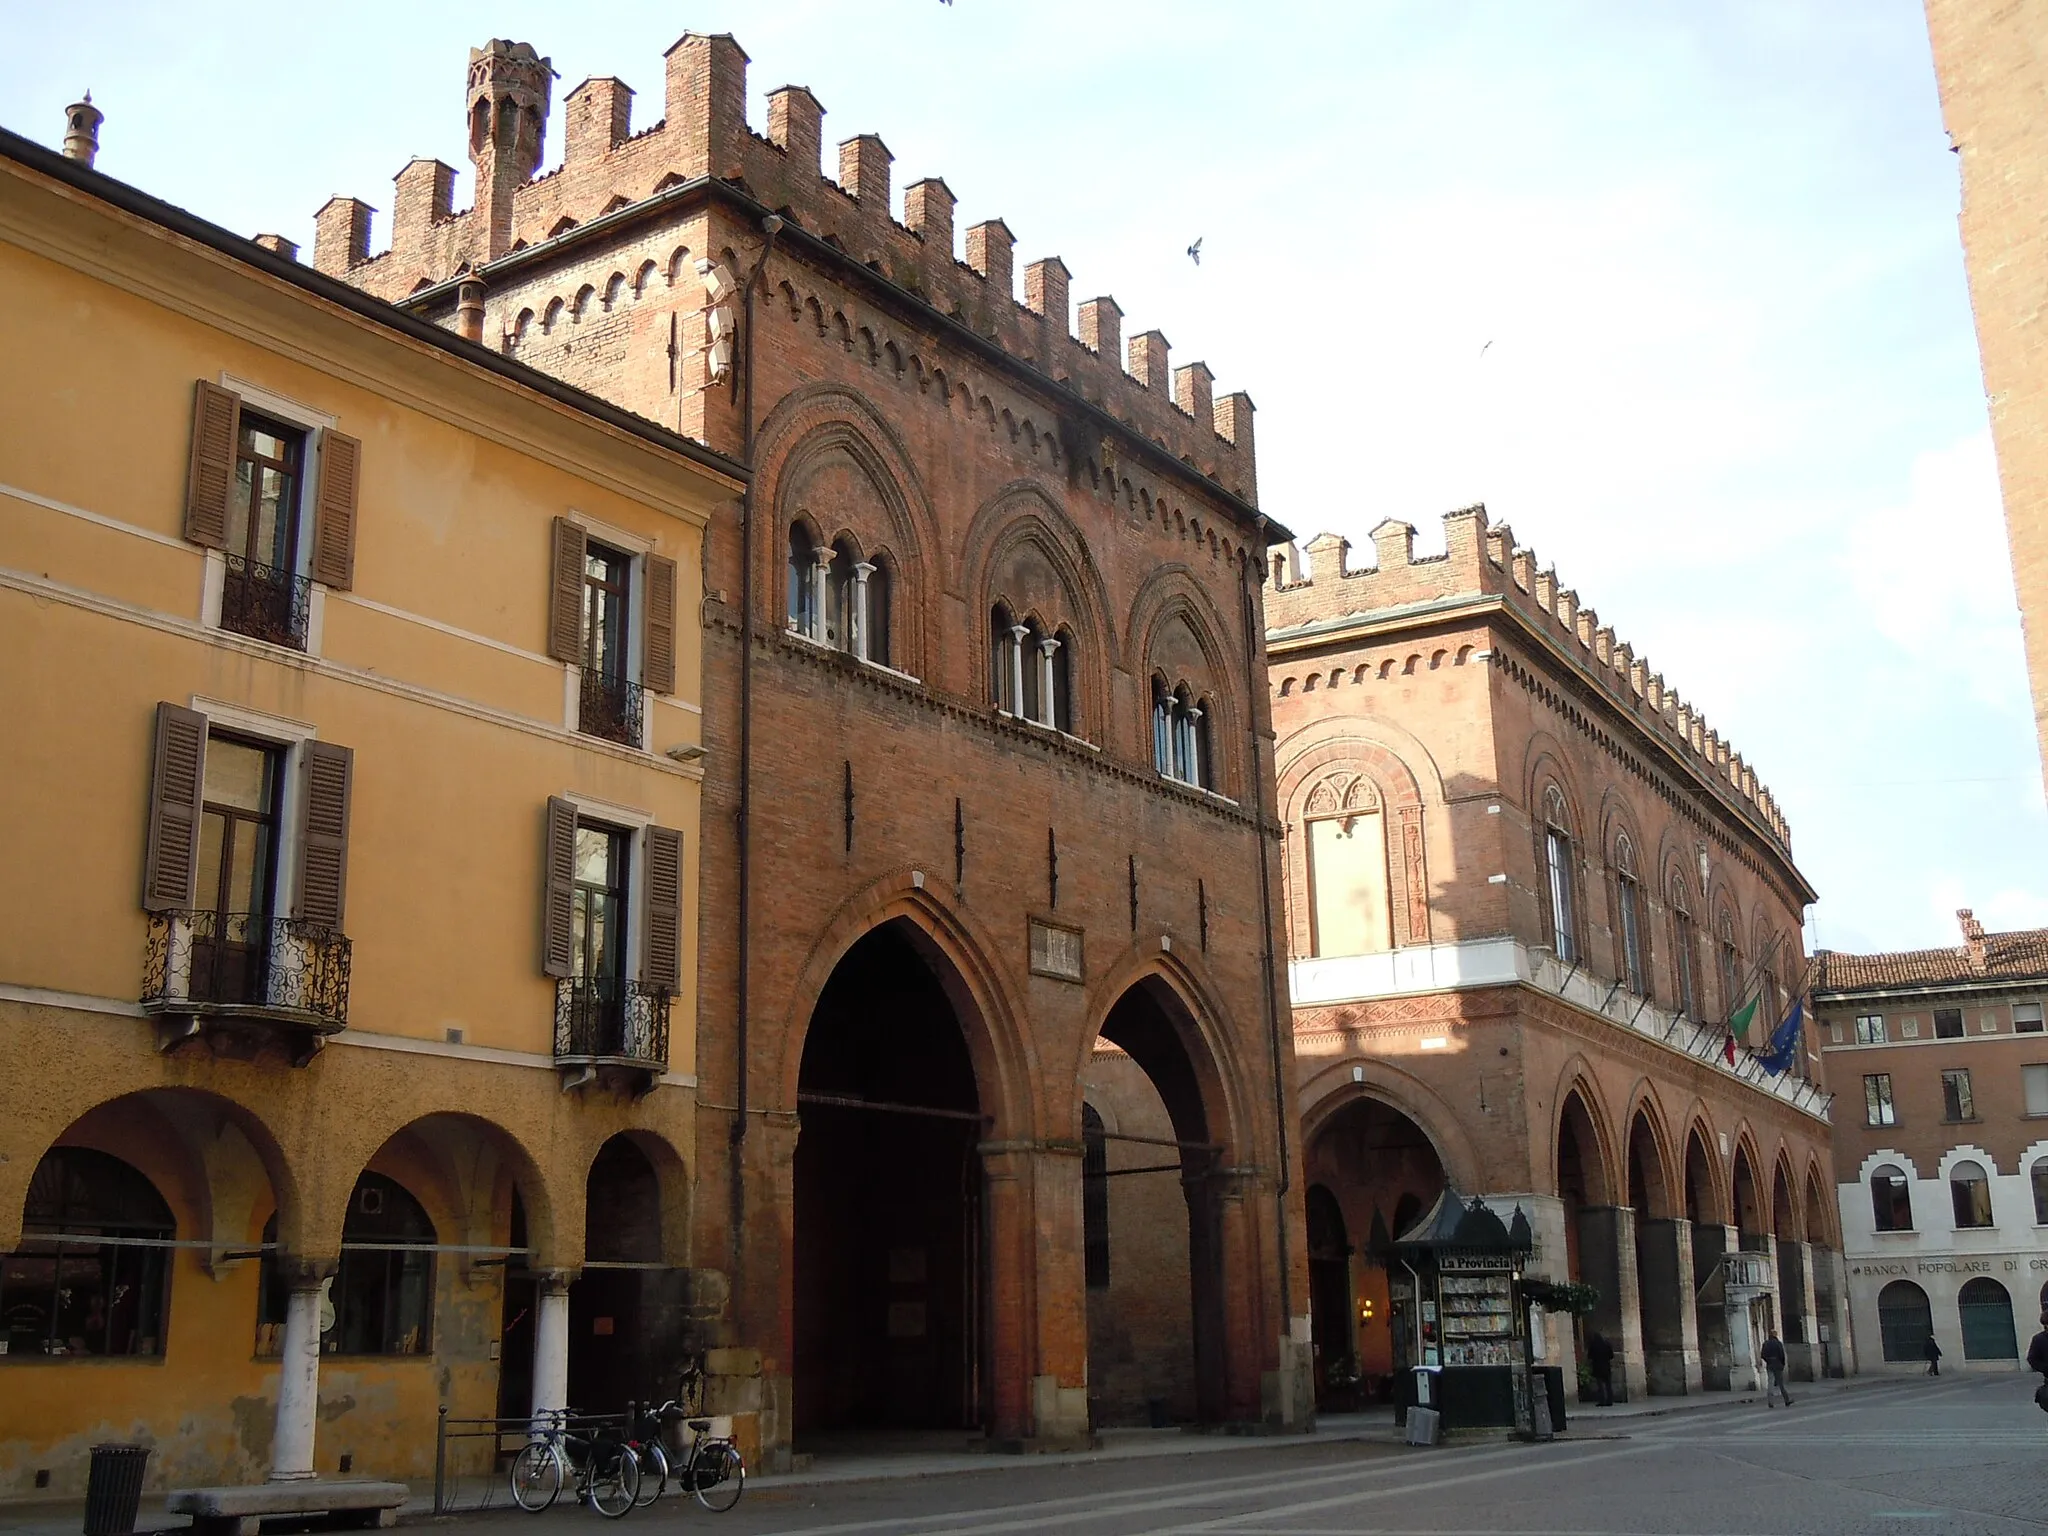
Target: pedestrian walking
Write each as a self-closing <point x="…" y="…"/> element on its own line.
<point x="1600" y="1358"/>
<point x="1774" y="1370"/>
<point x="1933" y="1354"/>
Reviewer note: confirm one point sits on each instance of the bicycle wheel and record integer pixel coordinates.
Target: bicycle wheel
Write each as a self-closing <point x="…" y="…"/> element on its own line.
<point x="536" y="1476"/>
<point x="653" y="1472"/>
<point x="614" y="1480"/>
<point x="718" y="1476"/>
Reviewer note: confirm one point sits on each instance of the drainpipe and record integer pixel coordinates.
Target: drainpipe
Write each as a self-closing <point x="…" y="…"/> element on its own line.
<point x="771" y="226"/>
<point x="1268" y="967"/>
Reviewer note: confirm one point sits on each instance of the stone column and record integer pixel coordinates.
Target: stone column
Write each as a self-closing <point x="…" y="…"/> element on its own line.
<point x="298" y="1377"/>
<point x="1842" y="1337"/>
<point x="821" y="589"/>
<point x="551" y="1344"/>
<point x="1800" y="1329"/>
<point x="1710" y="1314"/>
<point x="1046" y="714"/>
<point x="1018" y="635"/>
<point x="1607" y="1261"/>
<point x="1671" y="1343"/>
<point x="857" y="620"/>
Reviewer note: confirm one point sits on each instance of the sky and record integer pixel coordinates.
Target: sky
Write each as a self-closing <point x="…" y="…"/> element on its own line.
<point x="1672" y="286"/>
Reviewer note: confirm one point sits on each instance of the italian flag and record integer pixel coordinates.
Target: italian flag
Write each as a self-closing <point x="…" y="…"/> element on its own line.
<point x="1738" y="1024"/>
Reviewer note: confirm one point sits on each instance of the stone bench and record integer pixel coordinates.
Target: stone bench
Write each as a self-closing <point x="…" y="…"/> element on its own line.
<point x="357" y="1504"/>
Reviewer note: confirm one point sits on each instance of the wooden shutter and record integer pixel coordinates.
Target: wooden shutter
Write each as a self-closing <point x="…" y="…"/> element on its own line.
<point x="565" y="603"/>
<point x="170" y="869"/>
<point x="323" y="836"/>
<point x="658" y="656"/>
<point x="558" y="889"/>
<point x="663" y="966"/>
<point x="334" y="511"/>
<point x="216" y="429"/>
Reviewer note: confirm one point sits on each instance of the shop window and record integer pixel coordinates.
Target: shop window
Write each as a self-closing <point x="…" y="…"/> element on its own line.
<point x="1970" y="1192"/>
<point x="383" y="1290"/>
<point x="1891" y="1200"/>
<point x="62" y="1292"/>
<point x="1877" y="1100"/>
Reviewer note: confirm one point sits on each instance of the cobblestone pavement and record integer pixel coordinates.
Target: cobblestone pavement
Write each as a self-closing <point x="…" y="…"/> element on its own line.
<point x="1958" y="1455"/>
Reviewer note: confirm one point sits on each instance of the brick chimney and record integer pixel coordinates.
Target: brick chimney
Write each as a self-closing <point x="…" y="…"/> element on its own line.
<point x="341" y="235"/>
<point x="1148" y="359"/>
<point x="990" y="250"/>
<point x="82" y="131"/>
<point x="1045" y="290"/>
<point x="1973" y="938"/>
<point x="928" y="213"/>
<point x="864" y="172"/>
<point x="796" y="125"/>
<point x="1102" y="327"/>
<point x="599" y="116"/>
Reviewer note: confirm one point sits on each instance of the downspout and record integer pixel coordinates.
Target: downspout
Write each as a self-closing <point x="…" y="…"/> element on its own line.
<point x="770" y="227"/>
<point x="1268" y="967"/>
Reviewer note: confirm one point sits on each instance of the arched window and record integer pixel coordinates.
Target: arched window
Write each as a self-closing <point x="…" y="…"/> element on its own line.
<point x="1094" y="1199"/>
<point x="1006" y="660"/>
<point x="644" y="278"/>
<point x="803" y="582"/>
<point x="1557" y="868"/>
<point x="1628" y="901"/>
<point x="1031" y="652"/>
<point x="1891" y="1199"/>
<point x="613" y="287"/>
<point x="1984" y="1307"/>
<point x="1970" y="1192"/>
<point x="1060" y="682"/>
<point x="2041" y="1206"/>
<point x="1180" y="734"/>
<point x="875" y="632"/>
<point x="842" y="597"/>
<point x="383" y="1291"/>
<point x="521" y="326"/>
<point x="64" y="1294"/>
<point x="1905" y="1322"/>
<point x="1684" y="953"/>
<point x="1731" y="966"/>
<point x="1344" y="834"/>
<point x="552" y="315"/>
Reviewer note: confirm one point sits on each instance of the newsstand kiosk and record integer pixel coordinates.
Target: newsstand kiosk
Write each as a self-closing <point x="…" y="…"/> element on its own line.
<point x="1455" y="1282"/>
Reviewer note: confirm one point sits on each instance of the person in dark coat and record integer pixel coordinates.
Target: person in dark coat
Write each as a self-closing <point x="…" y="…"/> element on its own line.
<point x="1933" y="1354"/>
<point x="1600" y="1360"/>
<point x="2037" y="1352"/>
<point x="1774" y="1370"/>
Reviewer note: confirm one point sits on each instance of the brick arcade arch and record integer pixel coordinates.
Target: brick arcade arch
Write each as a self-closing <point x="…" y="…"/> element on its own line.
<point x="1381" y="1169"/>
<point x="890" y="1311"/>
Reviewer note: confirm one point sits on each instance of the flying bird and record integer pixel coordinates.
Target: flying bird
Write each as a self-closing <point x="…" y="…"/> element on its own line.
<point x="1482" y="350"/>
<point x="1195" y="253"/>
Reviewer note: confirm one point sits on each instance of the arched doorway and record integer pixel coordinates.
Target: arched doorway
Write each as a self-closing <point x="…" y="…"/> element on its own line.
<point x="1329" y="1293"/>
<point x="1905" y="1322"/>
<point x="1152" y="1028"/>
<point x="1792" y="1278"/>
<point x="1985" y="1309"/>
<point x="626" y="1312"/>
<point x="1749" y="1213"/>
<point x="889" y="1247"/>
<point x="1663" y="1268"/>
<point x="1380" y="1171"/>
<point x="1709" y="1246"/>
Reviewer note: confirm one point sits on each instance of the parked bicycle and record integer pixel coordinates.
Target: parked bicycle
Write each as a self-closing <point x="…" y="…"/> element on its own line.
<point x="603" y="1468"/>
<point x="711" y="1470"/>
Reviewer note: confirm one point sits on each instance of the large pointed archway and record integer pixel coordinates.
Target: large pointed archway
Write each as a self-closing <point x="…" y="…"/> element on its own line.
<point x="890" y="1321"/>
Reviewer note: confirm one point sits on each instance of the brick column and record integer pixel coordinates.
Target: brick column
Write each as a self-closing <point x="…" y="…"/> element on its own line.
<point x="1037" y="1308"/>
<point x="1798" y="1327"/>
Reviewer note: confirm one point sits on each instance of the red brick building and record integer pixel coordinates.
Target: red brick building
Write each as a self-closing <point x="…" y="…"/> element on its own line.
<point x="1526" y="884"/>
<point x="1993" y="72"/>
<point x="988" y="758"/>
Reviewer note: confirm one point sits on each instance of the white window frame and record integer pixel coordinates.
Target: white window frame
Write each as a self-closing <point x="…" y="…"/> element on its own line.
<point x="636" y="547"/>
<point x="315" y="424"/>
<point x="2032" y="1024"/>
<point x="634" y="822"/>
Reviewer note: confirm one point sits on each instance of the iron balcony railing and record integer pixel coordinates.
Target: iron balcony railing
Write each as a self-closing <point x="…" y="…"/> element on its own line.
<point x="265" y="603"/>
<point x="232" y="963"/>
<point x="608" y="1019"/>
<point x="611" y="708"/>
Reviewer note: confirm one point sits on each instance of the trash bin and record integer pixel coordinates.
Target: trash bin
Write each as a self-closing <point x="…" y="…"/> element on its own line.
<point x="113" y="1489"/>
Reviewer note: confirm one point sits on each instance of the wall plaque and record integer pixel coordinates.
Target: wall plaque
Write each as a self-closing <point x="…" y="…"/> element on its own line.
<point x="1055" y="952"/>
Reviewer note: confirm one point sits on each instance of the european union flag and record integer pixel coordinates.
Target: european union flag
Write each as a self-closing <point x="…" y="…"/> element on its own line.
<point x="1783" y="1048"/>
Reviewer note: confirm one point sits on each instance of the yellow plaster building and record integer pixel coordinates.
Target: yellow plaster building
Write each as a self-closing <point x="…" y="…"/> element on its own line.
<point x="349" y="726"/>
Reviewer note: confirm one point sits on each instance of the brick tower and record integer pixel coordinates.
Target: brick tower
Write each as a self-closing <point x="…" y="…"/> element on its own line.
<point x="509" y="86"/>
